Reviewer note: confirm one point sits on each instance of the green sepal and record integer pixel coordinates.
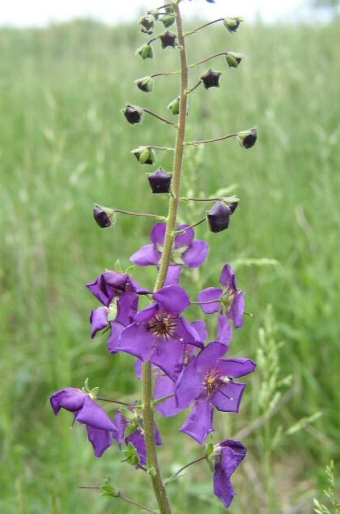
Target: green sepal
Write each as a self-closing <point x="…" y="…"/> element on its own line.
<point x="108" y="490"/>
<point x="131" y="455"/>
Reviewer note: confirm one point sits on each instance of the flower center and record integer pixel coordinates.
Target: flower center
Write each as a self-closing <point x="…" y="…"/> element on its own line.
<point x="213" y="380"/>
<point x="226" y="300"/>
<point x="162" y="325"/>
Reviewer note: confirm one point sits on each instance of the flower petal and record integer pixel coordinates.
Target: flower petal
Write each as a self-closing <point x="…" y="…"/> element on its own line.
<point x="196" y="254"/>
<point x="211" y="295"/>
<point x="146" y="256"/>
<point x="199" y="423"/>
<point x="173" y="298"/>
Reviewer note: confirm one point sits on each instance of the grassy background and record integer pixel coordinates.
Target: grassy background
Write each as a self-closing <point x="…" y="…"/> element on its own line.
<point x="64" y="145"/>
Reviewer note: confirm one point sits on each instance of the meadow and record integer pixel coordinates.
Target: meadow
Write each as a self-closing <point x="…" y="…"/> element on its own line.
<point x="64" y="144"/>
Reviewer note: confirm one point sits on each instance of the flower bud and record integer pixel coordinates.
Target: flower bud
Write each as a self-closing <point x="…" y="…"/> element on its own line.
<point x="174" y="106"/>
<point x="232" y="24"/>
<point x="147" y="23"/>
<point x="103" y="216"/>
<point x="145" y="84"/>
<point x="218" y="217"/>
<point x="233" y="59"/>
<point x="168" y="39"/>
<point x="247" y="138"/>
<point x="167" y="20"/>
<point x="144" y="155"/>
<point x="160" y="181"/>
<point x="133" y="114"/>
<point x="145" y="51"/>
<point x="211" y="79"/>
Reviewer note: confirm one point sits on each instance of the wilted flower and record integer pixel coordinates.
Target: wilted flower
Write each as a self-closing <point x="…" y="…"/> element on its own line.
<point x="145" y="84"/>
<point x="247" y="138"/>
<point x="211" y="79"/>
<point x="227" y="455"/>
<point x="133" y="114"/>
<point x="144" y="155"/>
<point x="103" y="215"/>
<point x="168" y="39"/>
<point x="232" y="24"/>
<point x="218" y="217"/>
<point x="160" y="181"/>
<point x="100" y="429"/>
<point x="147" y="23"/>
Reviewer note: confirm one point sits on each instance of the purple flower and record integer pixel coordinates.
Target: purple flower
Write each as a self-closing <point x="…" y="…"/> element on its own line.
<point x="159" y="333"/>
<point x="228" y="300"/>
<point x="133" y="427"/>
<point x="100" y="429"/>
<point x="227" y="455"/>
<point x="112" y="284"/>
<point x="186" y="250"/>
<point x="209" y="382"/>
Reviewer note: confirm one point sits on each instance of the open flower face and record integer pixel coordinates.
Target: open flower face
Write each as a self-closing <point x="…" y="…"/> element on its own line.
<point x="209" y="382"/>
<point x="159" y="333"/>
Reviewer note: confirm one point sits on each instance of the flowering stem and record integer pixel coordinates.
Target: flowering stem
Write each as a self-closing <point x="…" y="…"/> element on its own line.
<point x="208" y="59"/>
<point x="203" y="27"/>
<point x="234" y="134"/>
<point x="174" y="199"/>
<point x="144" y="214"/>
<point x="159" y="117"/>
<point x="184" y="467"/>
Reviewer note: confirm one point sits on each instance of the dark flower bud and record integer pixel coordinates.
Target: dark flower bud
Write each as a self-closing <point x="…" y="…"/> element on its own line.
<point x="232" y="206"/>
<point x="233" y="59"/>
<point x="103" y="216"/>
<point x="174" y="106"/>
<point x="145" y="51"/>
<point x="145" y="84"/>
<point x="211" y="79"/>
<point x="147" y="23"/>
<point x="167" y="20"/>
<point x="247" y="138"/>
<point x="218" y="217"/>
<point x="168" y="39"/>
<point x="144" y="155"/>
<point x="160" y="181"/>
<point x="133" y="114"/>
<point x="232" y="24"/>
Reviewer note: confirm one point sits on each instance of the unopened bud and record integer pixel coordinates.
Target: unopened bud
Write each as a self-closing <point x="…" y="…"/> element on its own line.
<point x="145" y="84"/>
<point x="133" y="114"/>
<point x="144" y="155"/>
<point x="160" y="181"/>
<point x="145" y="51"/>
<point x="211" y="79"/>
<point x="168" y="39"/>
<point x="167" y="20"/>
<point x="174" y="106"/>
<point x="232" y="24"/>
<point x="147" y="23"/>
<point x="103" y="216"/>
<point x="247" y="138"/>
<point x="218" y="217"/>
<point x="233" y="59"/>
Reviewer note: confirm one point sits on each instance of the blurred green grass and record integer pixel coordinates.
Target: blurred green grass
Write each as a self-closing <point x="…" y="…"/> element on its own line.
<point x="64" y="145"/>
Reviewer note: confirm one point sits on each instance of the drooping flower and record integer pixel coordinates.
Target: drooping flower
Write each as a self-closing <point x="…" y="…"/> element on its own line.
<point x="209" y="382"/>
<point x="159" y="333"/>
<point x="228" y="300"/>
<point x="227" y="455"/>
<point x="186" y="250"/>
<point x="100" y="429"/>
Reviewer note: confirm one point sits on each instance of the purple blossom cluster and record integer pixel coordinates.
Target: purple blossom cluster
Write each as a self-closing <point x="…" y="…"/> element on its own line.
<point x="190" y="368"/>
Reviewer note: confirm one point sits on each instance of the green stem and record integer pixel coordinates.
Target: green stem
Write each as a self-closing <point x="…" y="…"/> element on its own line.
<point x="152" y="461"/>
